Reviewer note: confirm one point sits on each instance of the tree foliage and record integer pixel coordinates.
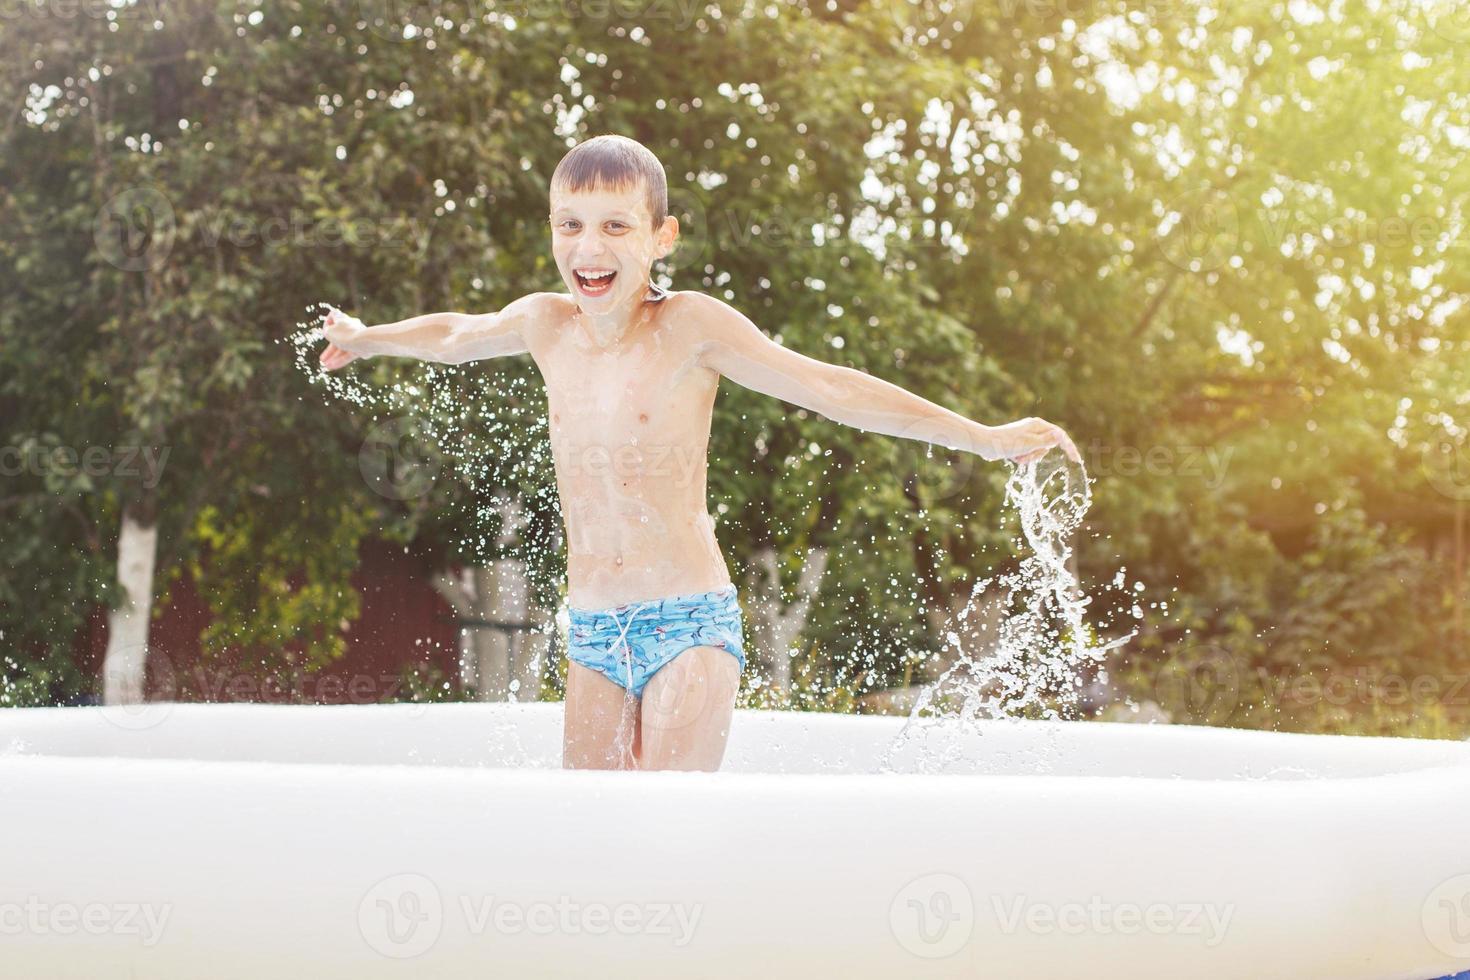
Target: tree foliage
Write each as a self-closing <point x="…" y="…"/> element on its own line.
<point x="1218" y="244"/>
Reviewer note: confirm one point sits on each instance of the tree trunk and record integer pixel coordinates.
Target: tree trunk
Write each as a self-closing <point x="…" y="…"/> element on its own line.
<point x="775" y="625"/>
<point x="485" y="651"/>
<point x="1458" y="598"/>
<point x="531" y="653"/>
<point x="499" y="663"/>
<point x="469" y="664"/>
<point x="125" y="664"/>
<point x="492" y="645"/>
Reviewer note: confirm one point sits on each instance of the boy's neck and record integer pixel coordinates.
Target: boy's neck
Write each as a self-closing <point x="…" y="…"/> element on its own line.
<point x="612" y="328"/>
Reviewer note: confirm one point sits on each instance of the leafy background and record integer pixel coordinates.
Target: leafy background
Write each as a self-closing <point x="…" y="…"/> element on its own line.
<point x="1223" y="245"/>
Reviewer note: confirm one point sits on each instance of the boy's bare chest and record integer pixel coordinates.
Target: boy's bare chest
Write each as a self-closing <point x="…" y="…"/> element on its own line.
<point x="647" y="394"/>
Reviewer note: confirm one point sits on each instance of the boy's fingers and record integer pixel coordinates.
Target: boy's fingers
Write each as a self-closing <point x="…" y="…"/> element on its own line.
<point x="1071" y="449"/>
<point x="1064" y="441"/>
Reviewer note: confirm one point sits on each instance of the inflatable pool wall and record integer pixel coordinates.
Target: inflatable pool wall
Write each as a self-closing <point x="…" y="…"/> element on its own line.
<point x="242" y="841"/>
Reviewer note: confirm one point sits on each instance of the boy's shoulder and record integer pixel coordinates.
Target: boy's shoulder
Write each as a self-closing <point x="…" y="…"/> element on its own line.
<point x="542" y="306"/>
<point x="694" y="307"/>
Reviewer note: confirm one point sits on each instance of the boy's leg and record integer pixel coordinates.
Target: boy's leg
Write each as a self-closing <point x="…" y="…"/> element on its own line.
<point x="601" y="726"/>
<point x="687" y="708"/>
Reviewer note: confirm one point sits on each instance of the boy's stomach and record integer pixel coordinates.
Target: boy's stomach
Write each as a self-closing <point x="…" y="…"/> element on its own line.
<point x="615" y="560"/>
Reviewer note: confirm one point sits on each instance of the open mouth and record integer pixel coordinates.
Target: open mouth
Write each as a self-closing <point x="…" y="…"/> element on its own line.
<point x="594" y="282"/>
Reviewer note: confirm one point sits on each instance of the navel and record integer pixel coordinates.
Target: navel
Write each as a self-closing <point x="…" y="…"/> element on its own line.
<point x="642" y="417"/>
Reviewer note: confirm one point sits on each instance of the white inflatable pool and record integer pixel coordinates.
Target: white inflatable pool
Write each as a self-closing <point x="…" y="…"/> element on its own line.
<point x="249" y="841"/>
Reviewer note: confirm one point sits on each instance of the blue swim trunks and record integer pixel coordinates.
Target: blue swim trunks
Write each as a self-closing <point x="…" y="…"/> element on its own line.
<point x="630" y="643"/>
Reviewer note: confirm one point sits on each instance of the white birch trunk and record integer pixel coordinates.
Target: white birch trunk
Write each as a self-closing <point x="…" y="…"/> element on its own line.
<point x="125" y="664"/>
<point x="532" y="653"/>
<point x="776" y="625"/>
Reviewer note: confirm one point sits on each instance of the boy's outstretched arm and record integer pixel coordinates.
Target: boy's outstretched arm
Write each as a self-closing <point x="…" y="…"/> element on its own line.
<point x="735" y="347"/>
<point x="449" y="338"/>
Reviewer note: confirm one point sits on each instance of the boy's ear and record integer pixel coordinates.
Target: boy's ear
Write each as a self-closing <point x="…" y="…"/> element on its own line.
<point x="667" y="235"/>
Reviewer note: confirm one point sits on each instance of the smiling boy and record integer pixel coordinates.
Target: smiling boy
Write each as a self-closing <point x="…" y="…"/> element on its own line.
<point x="631" y="373"/>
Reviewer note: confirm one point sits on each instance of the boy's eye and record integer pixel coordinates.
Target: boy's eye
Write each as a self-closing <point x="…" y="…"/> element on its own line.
<point x="572" y="225"/>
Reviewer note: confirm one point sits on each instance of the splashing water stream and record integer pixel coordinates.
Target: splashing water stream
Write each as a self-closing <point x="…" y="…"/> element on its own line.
<point x="1033" y="663"/>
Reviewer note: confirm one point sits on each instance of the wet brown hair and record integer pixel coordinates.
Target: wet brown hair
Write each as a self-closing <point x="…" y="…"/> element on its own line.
<point x="615" y="162"/>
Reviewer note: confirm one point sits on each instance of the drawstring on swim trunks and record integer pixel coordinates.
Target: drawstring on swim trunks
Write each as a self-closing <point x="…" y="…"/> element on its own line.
<point x="623" y="639"/>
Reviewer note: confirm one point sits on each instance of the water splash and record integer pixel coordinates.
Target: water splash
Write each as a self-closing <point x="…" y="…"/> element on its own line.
<point x="1034" y="661"/>
<point x="467" y="441"/>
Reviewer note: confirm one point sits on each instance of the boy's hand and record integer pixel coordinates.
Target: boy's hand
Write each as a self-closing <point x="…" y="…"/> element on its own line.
<point x="1029" y="439"/>
<point x="337" y="328"/>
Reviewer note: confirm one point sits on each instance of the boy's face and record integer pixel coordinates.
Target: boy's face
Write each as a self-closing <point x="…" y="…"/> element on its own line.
<point x="605" y="230"/>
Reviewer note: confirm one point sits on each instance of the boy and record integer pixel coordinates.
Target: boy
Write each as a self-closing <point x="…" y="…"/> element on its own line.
<point x="631" y="373"/>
